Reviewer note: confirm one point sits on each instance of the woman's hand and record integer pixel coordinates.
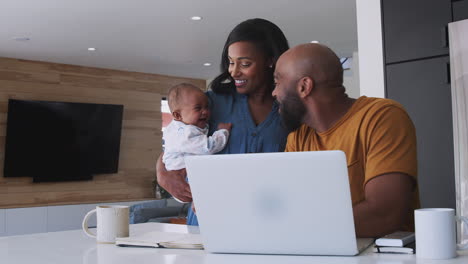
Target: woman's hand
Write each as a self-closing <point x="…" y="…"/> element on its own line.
<point x="173" y="181"/>
<point x="193" y="208"/>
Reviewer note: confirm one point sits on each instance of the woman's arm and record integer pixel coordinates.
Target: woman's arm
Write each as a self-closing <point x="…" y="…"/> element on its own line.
<point x="173" y="181"/>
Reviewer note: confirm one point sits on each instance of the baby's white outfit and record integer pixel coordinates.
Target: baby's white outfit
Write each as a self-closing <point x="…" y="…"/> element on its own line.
<point x="181" y="140"/>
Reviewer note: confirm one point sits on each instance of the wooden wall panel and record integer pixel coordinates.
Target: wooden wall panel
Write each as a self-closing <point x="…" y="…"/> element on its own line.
<point x="140" y="93"/>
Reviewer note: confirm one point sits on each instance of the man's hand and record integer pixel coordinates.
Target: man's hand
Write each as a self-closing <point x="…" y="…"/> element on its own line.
<point x="173" y="181"/>
<point x="227" y="126"/>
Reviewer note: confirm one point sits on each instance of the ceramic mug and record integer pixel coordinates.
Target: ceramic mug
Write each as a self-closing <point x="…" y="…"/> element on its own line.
<point x="112" y="222"/>
<point x="435" y="233"/>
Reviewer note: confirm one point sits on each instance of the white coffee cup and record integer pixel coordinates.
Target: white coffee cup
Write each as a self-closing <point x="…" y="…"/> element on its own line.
<point x="435" y="233"/>
<point x="112" y="222"/>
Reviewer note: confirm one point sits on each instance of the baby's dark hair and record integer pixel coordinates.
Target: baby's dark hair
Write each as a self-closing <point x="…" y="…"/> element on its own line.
<point x="176" y="93"/>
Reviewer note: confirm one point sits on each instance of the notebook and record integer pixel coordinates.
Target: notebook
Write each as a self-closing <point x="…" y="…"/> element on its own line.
<point x="396" y="239"/>
<point x="407" y="249"/>
<point x="159" y="239"/>
<point x="274" y="203"/>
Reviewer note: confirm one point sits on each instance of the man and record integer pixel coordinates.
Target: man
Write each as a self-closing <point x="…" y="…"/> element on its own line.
<point x="376" y="134"/>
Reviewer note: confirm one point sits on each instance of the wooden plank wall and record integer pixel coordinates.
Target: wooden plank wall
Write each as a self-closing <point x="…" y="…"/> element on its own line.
<point x="140" y="93"/>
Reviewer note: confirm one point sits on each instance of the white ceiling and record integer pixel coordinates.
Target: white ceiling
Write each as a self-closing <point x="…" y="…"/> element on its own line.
<point x="157" y="36"/>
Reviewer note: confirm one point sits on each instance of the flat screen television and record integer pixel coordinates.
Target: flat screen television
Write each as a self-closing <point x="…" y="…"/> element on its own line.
<point x="61" y="141"/>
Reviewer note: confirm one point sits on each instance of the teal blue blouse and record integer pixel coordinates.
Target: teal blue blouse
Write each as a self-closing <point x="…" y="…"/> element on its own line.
<point x="245" y="136"/>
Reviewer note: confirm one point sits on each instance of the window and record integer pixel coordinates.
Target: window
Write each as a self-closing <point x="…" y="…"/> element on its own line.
<point x="165" y="116"/>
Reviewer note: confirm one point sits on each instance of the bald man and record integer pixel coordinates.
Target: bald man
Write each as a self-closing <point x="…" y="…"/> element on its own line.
<point x="376" y="134"/>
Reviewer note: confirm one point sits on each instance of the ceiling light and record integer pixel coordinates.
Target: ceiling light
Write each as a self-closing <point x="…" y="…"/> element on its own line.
<point x="92" y="49"/>
<point x="206" y="64"/>
<point x="196" y="18"/>
<point x="21" y="38"/>
<point x="314" y="41"/>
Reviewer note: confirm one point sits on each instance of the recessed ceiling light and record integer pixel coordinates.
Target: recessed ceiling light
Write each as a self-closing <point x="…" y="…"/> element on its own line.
<point x="196" y="18"/>
<point x="92" y="49"/>
<point x="21" y="38"/>
<point x="206" y="64"/>
<point x="314" y="41"/>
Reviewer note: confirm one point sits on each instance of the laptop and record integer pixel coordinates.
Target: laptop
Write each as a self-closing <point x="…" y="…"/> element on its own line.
<point x="296" y="203"/>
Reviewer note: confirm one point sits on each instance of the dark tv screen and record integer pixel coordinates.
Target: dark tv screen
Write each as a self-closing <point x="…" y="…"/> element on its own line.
<point x="61" y="141"/>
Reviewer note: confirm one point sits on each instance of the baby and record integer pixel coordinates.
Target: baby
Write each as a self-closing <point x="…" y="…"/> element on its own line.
<point x="187" y="134"/>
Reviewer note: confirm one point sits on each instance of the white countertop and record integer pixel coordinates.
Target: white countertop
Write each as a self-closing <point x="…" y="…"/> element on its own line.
<point x="75" y="247"/>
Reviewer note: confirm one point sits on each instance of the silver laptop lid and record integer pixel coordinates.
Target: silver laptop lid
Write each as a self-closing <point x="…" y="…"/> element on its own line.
<point x="274" y="203"/>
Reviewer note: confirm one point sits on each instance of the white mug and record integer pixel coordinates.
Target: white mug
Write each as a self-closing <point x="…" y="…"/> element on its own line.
<point x="435" y="233"/>
<point x="112" y="222"/>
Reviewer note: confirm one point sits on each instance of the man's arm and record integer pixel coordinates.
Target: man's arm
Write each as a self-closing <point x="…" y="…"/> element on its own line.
<point x="387" y="203"/>
<point x="173" y="181"/>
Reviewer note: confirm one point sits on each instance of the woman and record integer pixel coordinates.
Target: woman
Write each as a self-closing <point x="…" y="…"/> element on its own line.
<point x="241" y="95"/>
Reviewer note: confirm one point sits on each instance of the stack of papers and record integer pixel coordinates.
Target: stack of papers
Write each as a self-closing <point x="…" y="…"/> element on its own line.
<point x="159" y="239"/>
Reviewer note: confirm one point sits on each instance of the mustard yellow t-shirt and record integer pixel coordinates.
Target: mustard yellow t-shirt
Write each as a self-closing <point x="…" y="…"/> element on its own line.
<point x="377" y="136"/>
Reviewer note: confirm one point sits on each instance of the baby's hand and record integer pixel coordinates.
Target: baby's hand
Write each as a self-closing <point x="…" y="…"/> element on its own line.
<point x="227" y="126"/>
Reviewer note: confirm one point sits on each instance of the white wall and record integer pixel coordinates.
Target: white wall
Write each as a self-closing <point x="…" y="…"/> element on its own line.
<point x="208" y="84"/>
<point x="370" y="47"/>
<point x="19" y="221"/>
<point x="2" y="222"/>
<point x="351" y="78"/>
<point x="68" y="217"/>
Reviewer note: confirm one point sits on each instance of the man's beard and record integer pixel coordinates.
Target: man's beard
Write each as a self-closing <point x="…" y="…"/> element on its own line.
<point x="292" y="112"/>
